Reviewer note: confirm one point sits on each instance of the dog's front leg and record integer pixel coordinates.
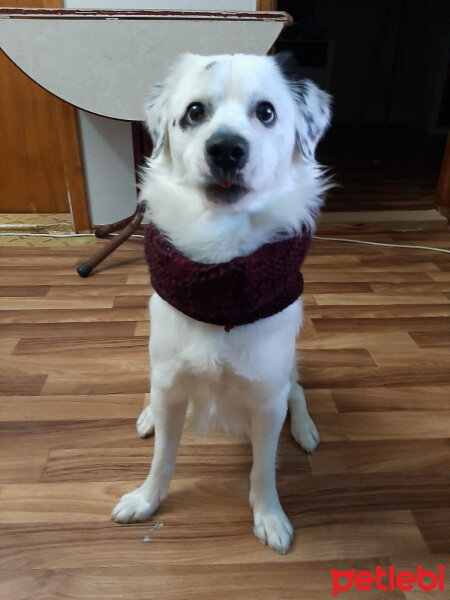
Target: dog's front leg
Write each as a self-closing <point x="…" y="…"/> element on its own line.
<point x="272" y="526"/>
<point x="169" y="410"/>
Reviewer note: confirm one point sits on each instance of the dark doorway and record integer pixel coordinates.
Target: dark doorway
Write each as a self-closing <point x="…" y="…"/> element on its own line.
<point x="386" y="63"/>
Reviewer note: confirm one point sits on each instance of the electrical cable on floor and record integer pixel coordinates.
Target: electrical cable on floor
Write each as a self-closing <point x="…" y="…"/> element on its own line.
<point x="64" y="235"/>
<point x="330" y="239"/>
<point x="315" y="237"/>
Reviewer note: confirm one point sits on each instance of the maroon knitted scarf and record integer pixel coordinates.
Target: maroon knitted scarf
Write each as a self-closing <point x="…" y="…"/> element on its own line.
<point x="240" y="291"/>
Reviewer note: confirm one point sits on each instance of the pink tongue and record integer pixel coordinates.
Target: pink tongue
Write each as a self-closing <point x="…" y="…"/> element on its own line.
<point x="224" y="184"/>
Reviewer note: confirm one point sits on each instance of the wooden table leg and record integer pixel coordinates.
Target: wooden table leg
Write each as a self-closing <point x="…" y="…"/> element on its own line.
<point x="129" y="226"/>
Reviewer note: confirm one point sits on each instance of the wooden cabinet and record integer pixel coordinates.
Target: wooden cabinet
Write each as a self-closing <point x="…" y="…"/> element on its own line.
<point x="40" y="160"/>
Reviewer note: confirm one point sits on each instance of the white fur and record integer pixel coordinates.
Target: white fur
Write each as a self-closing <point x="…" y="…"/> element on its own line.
<point x="242" y="380"/>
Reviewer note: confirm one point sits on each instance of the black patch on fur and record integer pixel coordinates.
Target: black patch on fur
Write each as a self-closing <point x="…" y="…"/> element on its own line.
<point x="309" y="130"/>
<point x="288" y="65"/>
<point x="310" y="125"/>
<point x="292" y="72"/>
<point x="183" y="122"/>
<point x="174" y="123"/>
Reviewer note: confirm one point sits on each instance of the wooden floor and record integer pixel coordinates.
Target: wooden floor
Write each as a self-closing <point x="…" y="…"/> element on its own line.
<point x="74" y="375"/>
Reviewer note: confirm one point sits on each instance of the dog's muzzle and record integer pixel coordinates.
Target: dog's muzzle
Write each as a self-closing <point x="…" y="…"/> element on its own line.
<point x="226" y="153"/>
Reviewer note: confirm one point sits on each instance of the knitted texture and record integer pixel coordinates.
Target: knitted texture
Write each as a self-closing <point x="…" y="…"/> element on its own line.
<point x="240" y="291"/>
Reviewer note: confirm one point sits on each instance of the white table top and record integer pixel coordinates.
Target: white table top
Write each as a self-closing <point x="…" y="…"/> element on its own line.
<point x="105" y="61"/>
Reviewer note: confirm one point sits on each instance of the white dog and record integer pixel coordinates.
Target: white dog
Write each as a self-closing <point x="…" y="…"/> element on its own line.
<point x="232" y="169"/>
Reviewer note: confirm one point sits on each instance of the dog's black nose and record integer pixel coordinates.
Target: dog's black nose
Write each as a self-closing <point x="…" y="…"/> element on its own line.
<point x="227" y="151"/>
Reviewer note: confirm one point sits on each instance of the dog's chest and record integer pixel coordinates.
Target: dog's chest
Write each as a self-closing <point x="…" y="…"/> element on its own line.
<point x="220" y="401"/>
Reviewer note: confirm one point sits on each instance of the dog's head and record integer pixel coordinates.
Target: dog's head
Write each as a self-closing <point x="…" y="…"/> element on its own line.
<point x="235" y="124"/>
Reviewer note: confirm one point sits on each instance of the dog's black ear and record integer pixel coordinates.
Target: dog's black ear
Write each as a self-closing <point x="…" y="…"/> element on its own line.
<point x="155" y="118"/>
<point x="314" y="105"/>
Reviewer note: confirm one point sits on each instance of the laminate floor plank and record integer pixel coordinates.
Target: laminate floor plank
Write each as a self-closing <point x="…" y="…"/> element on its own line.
<point x="49" y="303"/>
<point x="23" y="291"/>
<point x="388" y="325"/>
<point x="58" y="332"/>
<point x="340" y="357"/>
<point x="29" y="385"/>
<point x="384" y="399"/>
<point x="122" y="382"/>
<point x="311" y="340"/>
<point x="414" y="357"/>
<point x="434" y="339"/>
<point x="71" y="408"/>
<point x="111" y="361"/>
<point x="435" y="527"/>
<point x="255" y="582"/>
<point x="80" y="346"/>
<point x="391" y="266"/>
<point x="345" y="377"/>
<point x="426" y="287"/>
<point x="440" y="276"/>
<point x="384" y="425"/>
<point x="377" y="299"/>
<point x="72" y="315"/>
<point x="22" y="467"/>
<point x="113" y="291"/>
<point x="387" y="456"/>
<point x="8" y="344"/>
<point x="396" y="312"/>
<point x="67" y="279"/>
<point x="362" y="276"/>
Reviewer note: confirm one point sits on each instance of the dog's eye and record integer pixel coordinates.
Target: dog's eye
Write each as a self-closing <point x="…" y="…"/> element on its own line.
<point x="265" y="113"/>
<point x="195" y="112"/>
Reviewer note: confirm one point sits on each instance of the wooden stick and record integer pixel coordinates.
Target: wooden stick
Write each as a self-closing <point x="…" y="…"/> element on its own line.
<point x="131" y="224"/>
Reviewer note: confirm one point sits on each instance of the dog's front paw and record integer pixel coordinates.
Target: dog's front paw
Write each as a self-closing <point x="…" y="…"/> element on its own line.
<point x="274" y="529"/>
<point x="145" y="424"/>
<point x="135" y="506"/>
<point x="305" y="433"/>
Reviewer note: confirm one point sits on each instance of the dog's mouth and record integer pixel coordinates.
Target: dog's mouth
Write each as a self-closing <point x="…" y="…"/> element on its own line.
<point x="225" y="191"/>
